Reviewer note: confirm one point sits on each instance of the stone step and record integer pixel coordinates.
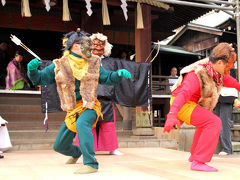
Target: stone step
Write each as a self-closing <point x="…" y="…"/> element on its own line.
<point x="32" y="134"/>
<point x="6" y="108"/>
<point x="236" y="147"/>
<point x="124" y="133"/>
<point x="28" y="144"/>
<point x="235" y="133"/>
<point x="39" y="140"/>
<point x="52" y="124"/>
<point x="27" y="100"/>
<point x="51" y="133"/>
<point x="136" y="142"/>
<point x="123" y="142"/>
<point x="33" y="125"/>
<point x="32" y="116"/>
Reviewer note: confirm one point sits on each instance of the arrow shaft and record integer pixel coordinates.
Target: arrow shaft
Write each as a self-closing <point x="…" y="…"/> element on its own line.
<point x="19" y="43"/>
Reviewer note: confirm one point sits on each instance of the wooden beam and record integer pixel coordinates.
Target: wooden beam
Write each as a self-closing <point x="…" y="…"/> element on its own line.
<point x="219" y="33"/>
<point x="143" y="36"/>
<point x="113" y="3"/>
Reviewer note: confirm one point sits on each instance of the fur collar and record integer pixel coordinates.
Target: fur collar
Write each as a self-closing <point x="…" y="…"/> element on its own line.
<point x="209" y="90"/>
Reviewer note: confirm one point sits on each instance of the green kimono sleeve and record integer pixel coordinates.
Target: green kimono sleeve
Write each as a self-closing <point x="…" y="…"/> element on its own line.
<point x="108" y="77"/>
<point x="42" y="77"/>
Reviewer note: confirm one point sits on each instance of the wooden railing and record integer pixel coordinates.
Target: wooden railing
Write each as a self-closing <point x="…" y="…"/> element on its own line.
<point x="161" y="89"/>
<point x="161" y="85"/>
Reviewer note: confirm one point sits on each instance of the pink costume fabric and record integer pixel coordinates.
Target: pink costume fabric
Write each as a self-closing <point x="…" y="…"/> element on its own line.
<point x="107" y="137"/>
<point x="208" y="125"/>
<point x="13" y="74"/>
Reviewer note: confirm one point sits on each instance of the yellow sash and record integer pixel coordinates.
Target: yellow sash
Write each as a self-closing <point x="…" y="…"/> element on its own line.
<point x="185" y="112"/>
<point x="71" y="120"/>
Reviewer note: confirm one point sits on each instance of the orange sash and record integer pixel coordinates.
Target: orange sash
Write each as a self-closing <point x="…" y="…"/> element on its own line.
<point x="71" y="120"/>
<point x="185" y="112"/>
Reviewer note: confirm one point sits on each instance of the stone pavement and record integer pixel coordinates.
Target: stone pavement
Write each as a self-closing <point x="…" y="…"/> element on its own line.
<point x="135" y="164"/>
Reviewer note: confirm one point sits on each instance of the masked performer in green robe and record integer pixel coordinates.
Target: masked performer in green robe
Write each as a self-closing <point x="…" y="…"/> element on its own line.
<point x="77" y="74"/>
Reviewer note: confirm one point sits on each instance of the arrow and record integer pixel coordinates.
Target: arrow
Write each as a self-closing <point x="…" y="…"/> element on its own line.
<point x="19" y="43"/>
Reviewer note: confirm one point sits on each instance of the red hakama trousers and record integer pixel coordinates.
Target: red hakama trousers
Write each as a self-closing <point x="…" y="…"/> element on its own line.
<point x="107" y="137"/>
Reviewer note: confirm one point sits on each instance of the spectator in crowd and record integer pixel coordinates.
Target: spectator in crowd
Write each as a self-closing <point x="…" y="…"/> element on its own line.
<point x="123" y="55"/>
<point x="173" y="77"/>
<point x="16" y="75"/>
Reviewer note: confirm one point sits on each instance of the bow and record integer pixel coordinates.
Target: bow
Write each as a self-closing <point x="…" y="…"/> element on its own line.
<point x="158" y="50"/>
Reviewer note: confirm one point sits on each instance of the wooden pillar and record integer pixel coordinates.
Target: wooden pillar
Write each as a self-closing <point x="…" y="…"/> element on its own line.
<point x="143" y="46"/>
<point x="143" y="37"/>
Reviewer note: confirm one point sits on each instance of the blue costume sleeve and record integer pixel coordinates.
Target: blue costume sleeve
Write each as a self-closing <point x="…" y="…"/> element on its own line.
<point x="42" y="77"/>
<point x="108" y="77"/>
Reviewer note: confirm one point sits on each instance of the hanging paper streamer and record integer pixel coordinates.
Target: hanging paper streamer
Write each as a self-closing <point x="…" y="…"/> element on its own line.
<point x="66" y="13"/>
<point x="149" y="96"/>
<point x="105" y="15"/>
<point x="47" y="4"/>
<point x="124" y="8"/>
<point x="88" y="6"/>
<point x="139" y="17"/>
<point x="45" y="121"/>
<point x="3" y="2"/>
<point x="25" y="9"/>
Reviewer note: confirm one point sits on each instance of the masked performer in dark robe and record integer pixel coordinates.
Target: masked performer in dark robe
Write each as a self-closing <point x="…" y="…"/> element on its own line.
<point x="105" y="136"/>
<point x="77" y="74"/>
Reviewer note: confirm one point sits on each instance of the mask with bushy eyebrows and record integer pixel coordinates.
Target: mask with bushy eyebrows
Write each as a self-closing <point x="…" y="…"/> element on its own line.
<point x="98" y="47"/>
